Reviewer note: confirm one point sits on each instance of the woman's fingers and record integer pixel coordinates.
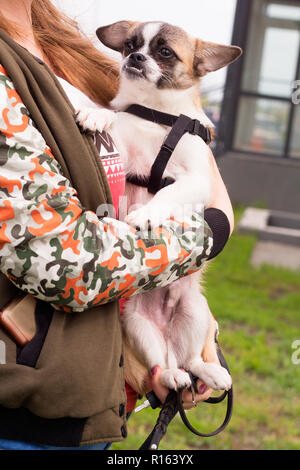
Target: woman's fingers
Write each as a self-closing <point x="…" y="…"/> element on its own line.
<point x="153" y="383"/>
<point x="204" y="393"/>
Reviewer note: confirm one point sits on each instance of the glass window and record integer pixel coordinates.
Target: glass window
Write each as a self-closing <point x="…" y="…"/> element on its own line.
<point x="278" y="69"/>
<point x="262" y="125"/>
<point x="287" y="12"/>
<point x="265" y="115"/>
<point x="272" y="54"/>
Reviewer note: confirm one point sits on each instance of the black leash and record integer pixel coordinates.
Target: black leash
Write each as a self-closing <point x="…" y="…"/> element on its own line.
<point x="167" y="413"/>
<point x="173" y="404"/>
<point x="180" y="126"/>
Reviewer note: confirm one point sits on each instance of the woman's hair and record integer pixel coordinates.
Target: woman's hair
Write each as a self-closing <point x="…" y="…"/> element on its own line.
<point x="72" y="56"/>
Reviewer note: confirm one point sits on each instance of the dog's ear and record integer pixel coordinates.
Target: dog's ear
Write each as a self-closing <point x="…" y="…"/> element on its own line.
<point x="210" y="56"/>
<point x="114" y="35"/>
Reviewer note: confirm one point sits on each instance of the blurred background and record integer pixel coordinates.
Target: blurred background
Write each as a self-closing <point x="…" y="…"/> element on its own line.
<point x="253" y="287"/>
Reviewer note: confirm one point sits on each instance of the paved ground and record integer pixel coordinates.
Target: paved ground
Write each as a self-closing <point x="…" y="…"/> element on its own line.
<point x="276" y="254"/>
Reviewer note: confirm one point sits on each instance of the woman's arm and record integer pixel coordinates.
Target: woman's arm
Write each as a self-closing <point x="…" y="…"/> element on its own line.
<point x="220" y="199"/>
<point x="54" y="249"/>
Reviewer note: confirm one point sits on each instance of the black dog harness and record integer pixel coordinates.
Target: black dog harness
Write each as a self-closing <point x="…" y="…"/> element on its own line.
<point x="180" y="125"/>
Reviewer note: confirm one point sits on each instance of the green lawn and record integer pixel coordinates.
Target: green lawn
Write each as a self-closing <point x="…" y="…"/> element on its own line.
<point x="258" y="311"/>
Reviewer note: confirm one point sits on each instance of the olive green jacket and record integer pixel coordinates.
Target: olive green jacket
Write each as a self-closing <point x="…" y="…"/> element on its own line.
<point x="66" y="387"/>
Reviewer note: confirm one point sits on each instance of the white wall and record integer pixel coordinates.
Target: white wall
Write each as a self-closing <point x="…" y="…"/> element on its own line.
<point x="207" y="19"/>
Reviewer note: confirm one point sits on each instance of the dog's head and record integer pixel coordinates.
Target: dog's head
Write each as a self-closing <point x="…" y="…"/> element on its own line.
<point x="164" y="55"/>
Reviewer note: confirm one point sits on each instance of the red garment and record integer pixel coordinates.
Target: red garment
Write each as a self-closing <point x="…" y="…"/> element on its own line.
<point x="132" y="397"/>
<point x="113" y="167"/>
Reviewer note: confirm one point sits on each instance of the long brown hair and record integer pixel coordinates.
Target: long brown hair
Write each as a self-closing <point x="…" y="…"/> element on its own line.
<point x="72" y="55"/>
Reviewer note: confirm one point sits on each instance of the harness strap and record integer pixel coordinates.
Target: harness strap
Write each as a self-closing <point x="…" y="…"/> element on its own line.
<point x="152" y="115"/>
<point x="180" y="125"/>
<point x="144" y="181"/>
<point x="169" y="120"/>
<point x="178" y="130"/>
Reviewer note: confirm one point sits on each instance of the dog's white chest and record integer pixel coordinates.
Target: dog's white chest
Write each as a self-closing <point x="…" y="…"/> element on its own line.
<point x="138" y="142"/>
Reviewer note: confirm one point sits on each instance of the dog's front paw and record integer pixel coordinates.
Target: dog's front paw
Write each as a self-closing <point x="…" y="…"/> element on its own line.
<point x="175" y="379"/>
<point x="215" y="376"/>
<point x="95" y="119"/>
<point x="150" y="216"/>
<point x="139" y="218"/>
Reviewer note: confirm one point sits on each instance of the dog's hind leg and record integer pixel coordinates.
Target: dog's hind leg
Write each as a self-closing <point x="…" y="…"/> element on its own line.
<point x="191" y="328"/>
<point x="212" y="374"/>
<point x="172" y="377"/>
<point x="145" y="338"/>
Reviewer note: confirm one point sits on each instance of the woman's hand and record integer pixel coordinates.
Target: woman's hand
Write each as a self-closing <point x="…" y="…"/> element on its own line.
<point x="153" y="383"/>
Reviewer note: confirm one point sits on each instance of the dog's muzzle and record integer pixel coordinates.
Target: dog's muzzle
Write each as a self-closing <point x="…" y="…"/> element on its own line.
<point x="136" y="60"/>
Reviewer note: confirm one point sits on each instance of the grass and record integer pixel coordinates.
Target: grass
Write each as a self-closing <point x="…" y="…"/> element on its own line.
<point x="258" y="314"/>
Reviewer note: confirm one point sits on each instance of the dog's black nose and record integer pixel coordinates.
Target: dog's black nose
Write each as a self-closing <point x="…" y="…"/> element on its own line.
<point x="137" y="58"/>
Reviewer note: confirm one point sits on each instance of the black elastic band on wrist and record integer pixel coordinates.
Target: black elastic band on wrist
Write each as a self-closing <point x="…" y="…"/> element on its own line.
<point x="219" y="224"/>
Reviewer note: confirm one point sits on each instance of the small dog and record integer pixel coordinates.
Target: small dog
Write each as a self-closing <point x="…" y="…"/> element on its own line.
<point x="161" y="69"/>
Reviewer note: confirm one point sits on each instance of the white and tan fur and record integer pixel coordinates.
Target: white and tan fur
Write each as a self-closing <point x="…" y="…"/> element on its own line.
<point x="171" y="327"/>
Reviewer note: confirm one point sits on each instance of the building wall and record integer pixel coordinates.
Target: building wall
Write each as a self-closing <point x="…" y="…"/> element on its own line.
<point x="262" y="181"/>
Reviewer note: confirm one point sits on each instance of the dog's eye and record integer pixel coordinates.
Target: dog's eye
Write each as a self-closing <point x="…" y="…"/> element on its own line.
<point x="129" y="45"/>
<point x="165" y="52"/>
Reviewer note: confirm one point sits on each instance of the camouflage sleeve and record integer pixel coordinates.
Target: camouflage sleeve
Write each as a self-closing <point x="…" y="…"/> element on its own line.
<point x="52" y="248"/>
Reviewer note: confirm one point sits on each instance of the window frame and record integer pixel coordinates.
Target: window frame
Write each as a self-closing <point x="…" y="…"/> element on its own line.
<point x="233" y="87"/>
